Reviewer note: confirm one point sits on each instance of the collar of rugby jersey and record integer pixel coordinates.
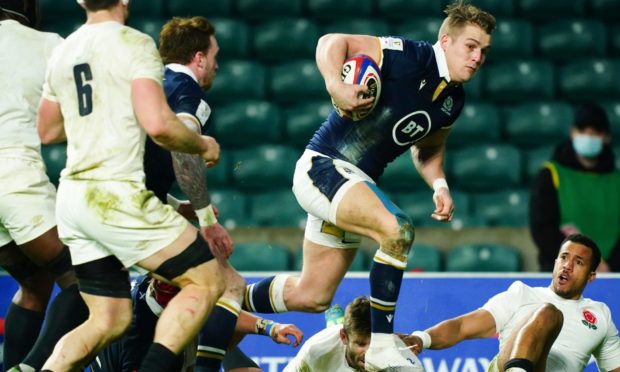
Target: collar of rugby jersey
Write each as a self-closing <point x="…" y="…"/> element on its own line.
<point x="177" y="67"/>
<point x="442" y="65"/>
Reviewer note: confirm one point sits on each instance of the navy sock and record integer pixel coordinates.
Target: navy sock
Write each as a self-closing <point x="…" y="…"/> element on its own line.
<point x="159" y="359"/>
<point x="257" y="299"/>
<point x="215" y="335"/>
<point x="21" y="331"/>
<point x="385" y="281"/>
<point x="66" y="312"/>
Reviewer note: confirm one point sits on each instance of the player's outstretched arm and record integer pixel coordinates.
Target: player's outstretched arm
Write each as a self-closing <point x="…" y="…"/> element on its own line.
<point x="476" y="324"/>
<point x="50" y="122"/>
<point x="249" y="323"/>
<point x="331" y="51"/>
<point x="163" y="126"/>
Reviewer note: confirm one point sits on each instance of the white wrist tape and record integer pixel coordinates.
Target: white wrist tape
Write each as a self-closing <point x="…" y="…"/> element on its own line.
<point x="206" y="216"/>
<point x="439" y="183"/>
<point x="425" y="337"/>
<point x="174" y="202"/>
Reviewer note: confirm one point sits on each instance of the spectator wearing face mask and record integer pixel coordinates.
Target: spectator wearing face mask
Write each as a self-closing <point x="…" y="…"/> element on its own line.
<point x="578" y="191"/>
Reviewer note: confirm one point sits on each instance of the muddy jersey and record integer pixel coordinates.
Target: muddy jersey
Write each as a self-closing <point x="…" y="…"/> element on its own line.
<point x="90" y="76"/>
<point x="417" y="99"/>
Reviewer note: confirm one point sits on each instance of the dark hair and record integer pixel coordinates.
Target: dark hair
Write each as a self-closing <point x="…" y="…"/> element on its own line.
<point x="587" y="242"/>
<point x="95" y="5"/>
<point x="591" y="115"/>
<point x="25" y="12"/>
<point x="357" y="316"/>
<point x="460" y="14"/>
<point x="181" y="38"/>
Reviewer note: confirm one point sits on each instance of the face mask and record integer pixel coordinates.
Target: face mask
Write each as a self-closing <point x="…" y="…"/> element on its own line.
<point x="587" y="146"/>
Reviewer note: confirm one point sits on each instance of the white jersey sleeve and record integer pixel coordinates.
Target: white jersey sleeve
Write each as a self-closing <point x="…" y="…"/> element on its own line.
<point x="501" y="306"/>
<point x="608" y="355"/>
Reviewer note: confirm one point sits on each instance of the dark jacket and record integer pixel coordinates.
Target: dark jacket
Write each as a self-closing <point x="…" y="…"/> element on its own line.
<point x="545" y="210"/>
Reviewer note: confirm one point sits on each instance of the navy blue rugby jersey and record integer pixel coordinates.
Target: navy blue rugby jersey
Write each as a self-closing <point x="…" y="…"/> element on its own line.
<point x="185" y="97"/>
<point x="416" y="101"/>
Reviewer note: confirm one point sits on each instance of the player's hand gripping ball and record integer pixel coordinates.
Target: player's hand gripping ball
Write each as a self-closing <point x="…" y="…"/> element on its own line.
<point x="360" y="69"/>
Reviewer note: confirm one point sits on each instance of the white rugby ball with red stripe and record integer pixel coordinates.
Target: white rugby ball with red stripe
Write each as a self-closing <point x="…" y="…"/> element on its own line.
<point x="360" y="69"/>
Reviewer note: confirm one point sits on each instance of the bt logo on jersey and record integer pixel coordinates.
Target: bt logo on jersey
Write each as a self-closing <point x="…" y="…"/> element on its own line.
<point x="411" y="128"/>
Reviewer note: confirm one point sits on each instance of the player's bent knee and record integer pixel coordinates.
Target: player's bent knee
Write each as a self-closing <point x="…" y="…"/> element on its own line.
<point x="315" y="304"/>
<point x="194" y="255"/>
<point x="111" y="323"/>
<point x="397" y="243"/>
<point x="550" y="316"/>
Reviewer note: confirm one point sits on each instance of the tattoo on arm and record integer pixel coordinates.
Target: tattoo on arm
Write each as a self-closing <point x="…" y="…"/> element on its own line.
<point x="190" y="170"/>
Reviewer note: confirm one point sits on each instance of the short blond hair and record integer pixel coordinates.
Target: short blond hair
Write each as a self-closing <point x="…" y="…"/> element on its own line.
<point x="460" y="14"/>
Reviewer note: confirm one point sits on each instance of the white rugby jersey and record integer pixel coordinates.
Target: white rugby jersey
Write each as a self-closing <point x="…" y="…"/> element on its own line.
<point x="24" y="57"/>
<point x="325" y="352"/>
<point x="588" y="328"/>
<point x="90" y="75"/>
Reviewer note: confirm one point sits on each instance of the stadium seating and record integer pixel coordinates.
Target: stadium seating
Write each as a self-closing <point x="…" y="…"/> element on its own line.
<point x="334" y="9"/>
<point x="260" y="9"/>
<point x="233" y="38"/>
<point x="296" y="81"/>
<point x="62" y="10"/>
<point x="148" y="8"/>
<point x="281" y="38"/>
<point x="614" y="34"/>
<point x="233" y="208"/>
<point x="613" y="113"/>
<point x="55" y="158"/>
<point x="402" y="175"/>
<point x="211" y="8"/>
<point x="513" y="38"/>
<point x="486" y="167"/>
<point x="264" y="167"/>
<point x="424" y="257"/>
<point x="219" y="176"/>
<point x="360" y="263"/>
<point x="538" y="123"/>
<point x="534" y="160"/>
<point x="363" y="26"/>
<point x="483" y="257"/>
<point x="239" y="79"/>
<point x="277" y="209"/>
<point x="502" y="208"/>
<point x="419" y="205"/>
<point x="564" y="39"/>
<point x="260" y="257"/>
<point x="419" y="29"/>
<point x="248" y="123"/>
<point x="499" y="8"/>
<point x="302" y="120"/>
<point x="149" y="25"/>
<point x="590" y="79"/>
<point x="549" y="9"/>
<point x="606" y="9"/>
<point x="519" y="80"/>
<point x="399" y="9"/>
<point x="478" y="123"/>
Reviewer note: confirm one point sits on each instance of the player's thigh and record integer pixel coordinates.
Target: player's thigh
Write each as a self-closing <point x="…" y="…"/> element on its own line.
<point x="27" y="200"/>
<point x="124" y="219"/>
<point x="341" y="194"/>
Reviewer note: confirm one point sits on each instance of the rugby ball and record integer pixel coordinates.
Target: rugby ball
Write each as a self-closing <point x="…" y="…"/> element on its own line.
<point x="360" y="69"/>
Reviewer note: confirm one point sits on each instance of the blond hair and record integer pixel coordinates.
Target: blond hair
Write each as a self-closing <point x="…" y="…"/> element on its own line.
<point x="460" y="14"/>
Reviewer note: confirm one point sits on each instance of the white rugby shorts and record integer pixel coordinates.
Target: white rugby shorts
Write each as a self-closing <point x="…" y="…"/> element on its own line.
<point x="97" y="219"/>
<point x="319" y="185"/>
<point x="27" y="198"/>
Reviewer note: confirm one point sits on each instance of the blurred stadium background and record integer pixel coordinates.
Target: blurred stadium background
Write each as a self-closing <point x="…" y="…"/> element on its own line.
<point x="269" y="98"/>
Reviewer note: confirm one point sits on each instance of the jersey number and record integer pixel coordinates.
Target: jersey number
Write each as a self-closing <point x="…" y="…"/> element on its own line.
<point x="82" y="74"/>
